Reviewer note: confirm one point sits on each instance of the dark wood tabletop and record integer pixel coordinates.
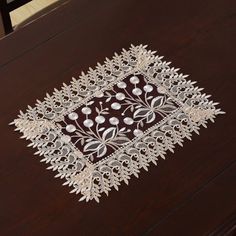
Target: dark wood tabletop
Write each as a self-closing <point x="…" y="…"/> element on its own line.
<point x="192" y="192"/>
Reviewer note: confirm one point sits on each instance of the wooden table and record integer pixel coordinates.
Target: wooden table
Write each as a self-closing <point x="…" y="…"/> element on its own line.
<point x="193" y="191"/>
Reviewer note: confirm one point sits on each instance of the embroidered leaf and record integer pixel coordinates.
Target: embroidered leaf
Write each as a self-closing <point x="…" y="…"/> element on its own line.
<point x="168" y="108"/>
<point x="151" y="117"/>
<point x="141" y="112"/>
<point x="104" y="112"/>
<point x="101" y="151"/>
<point x="101" y="129"/>
<point x="128" y="101"/>
<point x="88" y="140"/>
<point x="141" y="123"/>
<point x="122" y="129"/>
<point x="109" y="134"/>
<point x="90" y="103"/>
<point x="82" y="141"/>
<point x="121" y="140"/>
<point x="97" y="110"/>
<point x="92" y="146"/>
<point x="107" y="93"/>
<point x="79" y="134"/>
<point x="89" y="132"/>
<point x="150" y="97"/>
<point x="157" y="102"/>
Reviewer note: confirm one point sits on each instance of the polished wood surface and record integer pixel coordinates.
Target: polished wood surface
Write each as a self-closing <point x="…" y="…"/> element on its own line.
<point x="193" y="191"/>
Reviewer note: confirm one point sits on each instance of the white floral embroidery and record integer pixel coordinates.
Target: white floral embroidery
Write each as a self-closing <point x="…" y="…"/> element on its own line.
<point x="95" y="143"/>
<point x="111" y="137"/>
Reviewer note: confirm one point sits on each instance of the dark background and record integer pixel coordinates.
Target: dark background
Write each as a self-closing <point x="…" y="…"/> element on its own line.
<point x="193" y="191"/>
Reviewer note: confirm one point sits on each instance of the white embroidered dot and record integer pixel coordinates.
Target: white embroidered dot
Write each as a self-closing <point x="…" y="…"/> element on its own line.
<point x="138" y="132"/>
<point x="88" y="123"/>
<point x="128" y="121"/>
<point x="134" y="80"/>
<point x="114" y="121"/>
<point x="100" y="119"/>
<point x="148" y="88"/>
<point x="86" y="110"/>
<point x="161" y="89"/>
<point x="70" y="128"/>
<point x="65" y="138"/>
<point x="73" y="116"/>
<point x="115" y="106"/>
<point x="120" y="96"/>
<point x="121" y="85"/>
<point x="99" y="94"/>
<point x="137" y="91"/>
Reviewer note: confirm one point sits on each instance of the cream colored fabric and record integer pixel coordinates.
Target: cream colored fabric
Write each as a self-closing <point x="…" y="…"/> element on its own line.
<point x="27" y="10"/>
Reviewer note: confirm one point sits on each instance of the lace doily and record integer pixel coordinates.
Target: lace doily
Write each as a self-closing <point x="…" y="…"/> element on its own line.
<point x="115" y="120"/>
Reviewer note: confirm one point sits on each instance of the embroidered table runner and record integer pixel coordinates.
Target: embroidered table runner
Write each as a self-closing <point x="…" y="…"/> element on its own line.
<point x="115" y="120"/>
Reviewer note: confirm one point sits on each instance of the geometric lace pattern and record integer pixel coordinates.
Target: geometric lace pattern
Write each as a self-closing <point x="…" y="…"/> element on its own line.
<point x="115" y="120"/>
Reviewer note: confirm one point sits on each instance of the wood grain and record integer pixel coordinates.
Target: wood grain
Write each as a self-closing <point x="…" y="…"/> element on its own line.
<point x="199" y="37"/>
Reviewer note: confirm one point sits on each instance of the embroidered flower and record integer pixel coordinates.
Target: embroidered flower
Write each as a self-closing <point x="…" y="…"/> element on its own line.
<point x="159" y="105"/>
<point x="111" y="137"/>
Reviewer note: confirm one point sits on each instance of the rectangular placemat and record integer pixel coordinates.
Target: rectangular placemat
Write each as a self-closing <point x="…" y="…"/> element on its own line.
<point x="115" y="120"/>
